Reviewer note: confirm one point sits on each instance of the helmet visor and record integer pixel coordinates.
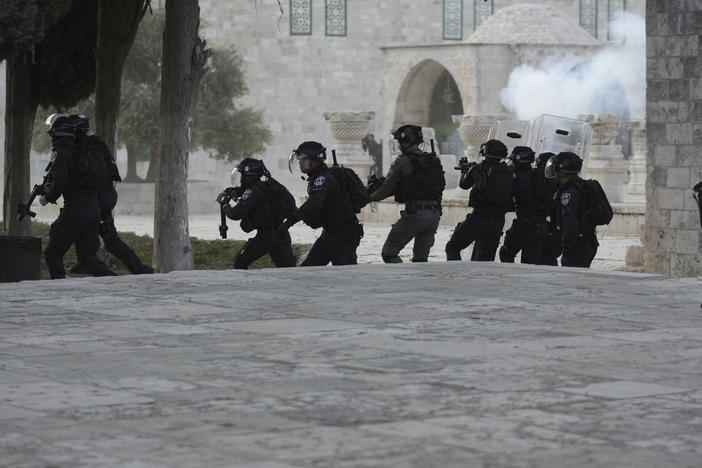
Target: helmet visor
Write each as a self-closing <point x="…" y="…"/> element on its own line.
<point x="293" y="161"/>
<point x="550" y="170"/>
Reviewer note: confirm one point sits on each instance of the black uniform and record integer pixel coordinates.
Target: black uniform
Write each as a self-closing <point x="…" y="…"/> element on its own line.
<point x="420" y="218"/>
<point x="484" y="225"/>
<point x="107" y="198"/>
<point x="329" y="207"/>
<point x="257" y="210"/>
<point x="545" y="190"/>
<point x="577" y="235"/>
<point x="527" y="232"/>
<point x="80" y="216"/>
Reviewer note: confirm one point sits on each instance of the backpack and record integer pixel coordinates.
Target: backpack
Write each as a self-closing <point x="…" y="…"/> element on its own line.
<point x="428" y="175"/>
<point x="100" y="167"/>
<point x="352" y="185"/>
<point x="597" y="208"/>
<point x="282" y="200"/>
<point x="493" y="185"/>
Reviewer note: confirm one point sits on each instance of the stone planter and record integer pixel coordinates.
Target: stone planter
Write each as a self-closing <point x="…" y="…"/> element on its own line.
<point x="347" y="129"/>
<point x="474" y="131"/>
<point x="606" y="161"/>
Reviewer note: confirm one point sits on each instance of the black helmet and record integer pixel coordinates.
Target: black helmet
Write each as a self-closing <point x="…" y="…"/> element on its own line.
<point x="493" y="149"/>
<point x="310" y="149"/>
<point x="564" y="163"/>
<point x="60" y="125"/>
<point x="522" y="155"/>
<point x="543" y="158"/>
<point x="307" y="149"/>
<point x="81" y="122"/>
<point x="409" y="135"/>
<point x="251" y="167"/>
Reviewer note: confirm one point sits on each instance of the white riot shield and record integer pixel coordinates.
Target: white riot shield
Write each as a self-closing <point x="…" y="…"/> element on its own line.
<point x="512" y="133"/>
<point x="556" y="134"/>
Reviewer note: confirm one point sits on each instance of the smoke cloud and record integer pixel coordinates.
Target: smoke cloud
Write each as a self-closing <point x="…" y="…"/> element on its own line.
<point x="613" y="81"/>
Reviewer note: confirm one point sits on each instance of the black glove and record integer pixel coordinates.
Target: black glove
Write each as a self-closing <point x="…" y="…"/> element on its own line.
<point x="374" y="183"/>
<point x="464" y="165"/>
<point x="284" y="226"/>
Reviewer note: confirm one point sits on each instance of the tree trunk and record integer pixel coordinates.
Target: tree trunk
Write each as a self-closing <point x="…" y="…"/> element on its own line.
<point x="21" y="100"/>
<point x="153" y="164"/>
<point x="118" y="21"/>
<point x="184" y="59"/>
<point x="132" y="175"/>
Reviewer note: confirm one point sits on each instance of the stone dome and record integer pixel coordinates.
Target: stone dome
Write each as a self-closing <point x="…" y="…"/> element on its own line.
<point x="529" y="23"/>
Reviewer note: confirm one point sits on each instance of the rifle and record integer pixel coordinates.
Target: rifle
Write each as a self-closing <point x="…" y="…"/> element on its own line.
<point x="23" y="209"/>
<point x="464" y="165"/>
<point x="336" y="164"/>
<point x="433" y="151"/>
<point x="230" y="193"/>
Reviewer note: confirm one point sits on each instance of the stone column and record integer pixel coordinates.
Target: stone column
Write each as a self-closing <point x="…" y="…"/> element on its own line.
<point x="347" y="129"/>
<point x="635" y="190"/>
<point x="606" y="161"/>
<point x="474" y="131"/>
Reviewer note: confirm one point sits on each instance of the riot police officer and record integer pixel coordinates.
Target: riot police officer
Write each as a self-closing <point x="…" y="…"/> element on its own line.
<point x="262" y="204"/>
<point x="420" y="189"/>
<point x="328" y="206"/>
<point x="526" y="233"/>
<point x="107" y="197"/>
<point x="569" y="221"/>
<point x="490" y="182"/>
<point x="73" y="177"/>
<point x="545" y="189"/>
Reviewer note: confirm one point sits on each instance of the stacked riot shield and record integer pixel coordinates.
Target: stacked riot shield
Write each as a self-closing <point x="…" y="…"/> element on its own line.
<point x="511" y="132"/>
<point x="556" y="134"/>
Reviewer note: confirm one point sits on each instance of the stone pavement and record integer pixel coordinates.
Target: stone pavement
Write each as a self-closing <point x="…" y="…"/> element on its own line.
<point x="412" y="365"/>
<point x="610" y="255"/>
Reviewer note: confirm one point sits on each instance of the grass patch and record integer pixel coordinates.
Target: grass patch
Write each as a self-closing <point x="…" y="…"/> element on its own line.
<point x="208" y="254"/>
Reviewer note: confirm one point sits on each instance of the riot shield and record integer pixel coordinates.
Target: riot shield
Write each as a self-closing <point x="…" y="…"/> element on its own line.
<point x="511" y="132"/>
<point x="556" y="134"/>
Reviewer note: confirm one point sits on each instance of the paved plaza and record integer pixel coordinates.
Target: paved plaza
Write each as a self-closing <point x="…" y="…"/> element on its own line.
<point x="610" y="255"/>
<point x="412" y="365"/>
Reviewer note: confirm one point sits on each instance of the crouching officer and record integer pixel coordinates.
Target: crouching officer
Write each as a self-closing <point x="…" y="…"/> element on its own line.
<point x="490" y="182"/>
<point x="420" y="194"/>
<point x="526" y="233"/>
<point x="107" y="197"/>
<point x="262" y="204"/>
<point x="328" y="206"/>
<point x="73" y="177"/>
<point x="569" y="222"/>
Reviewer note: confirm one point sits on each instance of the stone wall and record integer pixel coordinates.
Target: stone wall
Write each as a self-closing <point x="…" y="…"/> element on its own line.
<point x="672" y="238"/>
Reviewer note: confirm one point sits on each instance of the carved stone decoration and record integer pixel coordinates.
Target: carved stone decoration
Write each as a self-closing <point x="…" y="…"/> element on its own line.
<point x="336" y="17"/>
<point x="453" y="19"/>
<point x="635" y="190"/>
<point x="348" y="129"/>
<point x="588" y="16"/>
<point x="482" y="10"/>
<point x="474" y="131"/>
<point x="300" y="17"/>
<point x="606" y="162"/>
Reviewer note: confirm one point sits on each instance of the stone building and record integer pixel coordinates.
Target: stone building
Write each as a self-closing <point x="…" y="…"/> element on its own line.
<point x="404" y="60"/>
<point x="672" y="243"/>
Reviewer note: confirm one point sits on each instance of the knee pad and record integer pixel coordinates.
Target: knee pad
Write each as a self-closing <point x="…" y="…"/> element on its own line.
<point x="107" y="230"/>
<point x="391" y="259"/>
<point x="241" y="262"/>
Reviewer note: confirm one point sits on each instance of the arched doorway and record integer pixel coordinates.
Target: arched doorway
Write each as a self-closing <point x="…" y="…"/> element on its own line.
<point x="429" y="96"/>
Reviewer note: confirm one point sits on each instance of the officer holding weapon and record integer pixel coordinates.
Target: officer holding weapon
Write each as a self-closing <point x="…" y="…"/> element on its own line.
<point x="262" y="203"/>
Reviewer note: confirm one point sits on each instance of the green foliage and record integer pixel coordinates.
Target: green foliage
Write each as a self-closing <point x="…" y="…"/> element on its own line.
<point x="23" y="23"/>
<point x="209" y="254"/>
<point x="67" y="57"/>
<point x="220" y="126"/>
